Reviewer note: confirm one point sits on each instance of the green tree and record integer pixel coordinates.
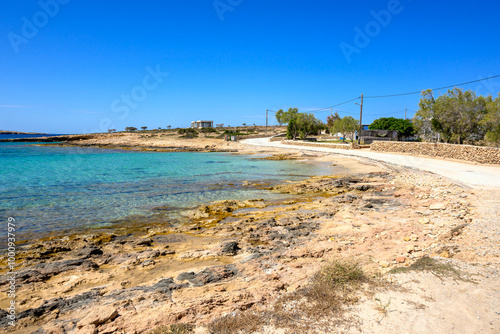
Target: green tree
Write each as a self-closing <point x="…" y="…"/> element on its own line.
<point x="279" y="116"/>
<point x="404" y="127"/>
<point x="422" y="121"/>
<point x="130" y="128"/>
<point x="346" y="126"/>
<point x="302" y="124"/>
<point x="308" y="125"/>
<point x="144" y="127"/>
<point x="491" y="121"/>
<point x="292" y="130"/>
<point x="284" y="117"/>
<point x="332" y="119"/>
<point x="457" y="115"/>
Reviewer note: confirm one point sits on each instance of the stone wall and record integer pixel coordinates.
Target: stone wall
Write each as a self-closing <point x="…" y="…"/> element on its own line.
<point x="325" y="145"/>
<point x="260" y="135"/>
<point x="480" y="154"/>
<point x="277" y="138"/>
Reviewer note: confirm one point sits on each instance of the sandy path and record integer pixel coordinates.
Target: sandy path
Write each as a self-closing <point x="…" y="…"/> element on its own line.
<point x="470" y="174"/>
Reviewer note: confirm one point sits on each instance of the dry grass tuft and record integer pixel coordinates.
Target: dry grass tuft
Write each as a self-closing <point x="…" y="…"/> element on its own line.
<point x="318" y="305"/>
<point x="173" y="329"/>
<point x="239" y="322"/>
<point x="437" y="268"/>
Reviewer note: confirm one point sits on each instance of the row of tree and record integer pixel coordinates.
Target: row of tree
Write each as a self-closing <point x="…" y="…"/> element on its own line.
<point x="458" y="116"/>
<point x="299" y="125"/>
<point x="132" y="128"/>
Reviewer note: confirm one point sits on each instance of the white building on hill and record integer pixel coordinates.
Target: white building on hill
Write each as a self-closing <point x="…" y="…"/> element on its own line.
<point x="202" y="124"/>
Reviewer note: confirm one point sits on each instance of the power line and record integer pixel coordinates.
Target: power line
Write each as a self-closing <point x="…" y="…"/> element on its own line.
<point x="327" y="108"/>
<point x="339" y="111"/>
<point x="412" y="93"/>
<point x="394" y="95"/>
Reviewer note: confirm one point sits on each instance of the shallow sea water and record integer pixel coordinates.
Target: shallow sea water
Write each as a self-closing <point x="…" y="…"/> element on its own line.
<point x="49" y="189"/>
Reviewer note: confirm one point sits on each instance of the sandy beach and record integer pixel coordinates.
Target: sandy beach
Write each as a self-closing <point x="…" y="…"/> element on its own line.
<point x="427" y="248"/>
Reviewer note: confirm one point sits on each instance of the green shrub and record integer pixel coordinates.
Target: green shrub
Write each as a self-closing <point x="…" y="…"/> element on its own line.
<point x="188" y="132"/>
<point x="208" y="130"/>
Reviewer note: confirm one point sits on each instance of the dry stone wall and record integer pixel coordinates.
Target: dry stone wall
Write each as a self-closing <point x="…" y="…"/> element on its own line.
<point x="480" y="154"/>
<point x="334" y="146"/>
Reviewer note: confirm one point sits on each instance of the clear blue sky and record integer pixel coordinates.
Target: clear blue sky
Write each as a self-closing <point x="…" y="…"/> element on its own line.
<point x="73" y="73"/>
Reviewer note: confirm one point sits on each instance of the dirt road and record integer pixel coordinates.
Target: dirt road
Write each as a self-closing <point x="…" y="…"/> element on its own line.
<point x="467" y="173"/>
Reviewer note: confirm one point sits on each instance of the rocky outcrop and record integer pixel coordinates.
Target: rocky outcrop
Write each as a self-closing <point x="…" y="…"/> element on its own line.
<point x="195" y="272"/>
<point x="222" y="208"/>
<point x="44" y="271"/>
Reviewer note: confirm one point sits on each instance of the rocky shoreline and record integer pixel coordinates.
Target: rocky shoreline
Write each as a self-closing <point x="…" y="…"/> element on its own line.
<point x="238" y="259"/>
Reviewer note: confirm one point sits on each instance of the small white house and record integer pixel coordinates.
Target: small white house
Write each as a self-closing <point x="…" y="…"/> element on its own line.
<point x="202" y="124"/>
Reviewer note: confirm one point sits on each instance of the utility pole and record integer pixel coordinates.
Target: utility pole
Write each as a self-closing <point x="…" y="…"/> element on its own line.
<point x="406" y="109"/>
<point x="360" y="119"/>
<point x="267" y="110"/>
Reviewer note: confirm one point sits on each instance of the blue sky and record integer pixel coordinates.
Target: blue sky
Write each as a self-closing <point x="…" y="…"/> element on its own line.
<point x="86" y="66"/>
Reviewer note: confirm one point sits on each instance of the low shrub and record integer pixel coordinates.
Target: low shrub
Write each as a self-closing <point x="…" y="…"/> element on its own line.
<point x="188" y="132"/>
<point x="208" y="130"/>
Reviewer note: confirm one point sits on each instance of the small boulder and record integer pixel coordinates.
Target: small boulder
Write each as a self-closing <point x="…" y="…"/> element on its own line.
<point x="400" y="259"/>
<point x="88" y="329"/>
<point x="424" y="221"/>
<point x="98" y="316"/>
<point x="437" y="206"/>
<point x="88" y="252"/>
<point x="362" y="187"/>
<point x="230" y="248"/>
<point x="144" y="242"/>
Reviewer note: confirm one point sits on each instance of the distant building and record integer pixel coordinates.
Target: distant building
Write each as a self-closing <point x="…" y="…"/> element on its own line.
<point x="368" y="136"/>
<point x="202" y="124"/>
<point x="364" y="127"/>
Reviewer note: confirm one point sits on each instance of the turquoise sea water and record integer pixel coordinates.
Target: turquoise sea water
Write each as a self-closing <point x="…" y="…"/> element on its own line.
<point x="15" y="136"/>
<point x="51" y="189"/>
